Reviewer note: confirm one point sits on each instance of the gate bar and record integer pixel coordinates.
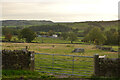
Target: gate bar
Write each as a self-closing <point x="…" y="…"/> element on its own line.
<point x="66" y="55"/>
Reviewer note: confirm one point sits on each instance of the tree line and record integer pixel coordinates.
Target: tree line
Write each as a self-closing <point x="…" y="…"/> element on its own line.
<point x="54" y="27"/>
<point x="95" y="35"/>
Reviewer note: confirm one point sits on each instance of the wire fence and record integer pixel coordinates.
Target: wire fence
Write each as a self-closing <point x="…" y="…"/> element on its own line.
<point x="64" y="64"/>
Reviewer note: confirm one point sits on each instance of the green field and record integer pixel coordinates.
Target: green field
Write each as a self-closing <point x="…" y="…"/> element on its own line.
<point x="65" y="49"/>
<point x="17" y="74"/>
<point x="55" y="47"/>
<point x="62" y="49"/>
<point x="64" y="64"/>
<point x="45" y="40"/>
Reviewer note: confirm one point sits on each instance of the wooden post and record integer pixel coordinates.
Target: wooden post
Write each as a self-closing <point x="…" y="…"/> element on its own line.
<point x="96" y="65"/>
<point x="26" y="47"/>
<point x="32" y="61"/>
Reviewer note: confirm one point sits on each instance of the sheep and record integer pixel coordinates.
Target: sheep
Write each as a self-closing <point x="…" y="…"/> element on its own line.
<point x="102" y="56"/>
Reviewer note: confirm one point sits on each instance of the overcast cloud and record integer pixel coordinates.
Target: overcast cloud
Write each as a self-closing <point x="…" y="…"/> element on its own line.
<point x="60" y="10"/>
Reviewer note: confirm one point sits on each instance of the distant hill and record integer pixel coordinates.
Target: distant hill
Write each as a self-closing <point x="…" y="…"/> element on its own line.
<point x="24" y="22"/>
<point x="83" y="25"/>
<point x="80" y="25"/>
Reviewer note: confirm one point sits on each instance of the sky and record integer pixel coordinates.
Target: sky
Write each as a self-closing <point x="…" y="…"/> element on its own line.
<point x="60" y="10"/>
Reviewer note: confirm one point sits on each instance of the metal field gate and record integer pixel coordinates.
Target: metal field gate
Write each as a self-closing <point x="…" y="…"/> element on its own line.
<point x="64" y="64"/>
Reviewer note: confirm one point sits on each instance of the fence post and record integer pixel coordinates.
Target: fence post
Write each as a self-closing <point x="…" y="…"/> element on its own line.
<point x="96" y="65"/>
<point x="32" y="61"/>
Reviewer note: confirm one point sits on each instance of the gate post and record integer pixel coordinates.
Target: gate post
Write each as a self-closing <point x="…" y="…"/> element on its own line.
<point x="96" y="65"/>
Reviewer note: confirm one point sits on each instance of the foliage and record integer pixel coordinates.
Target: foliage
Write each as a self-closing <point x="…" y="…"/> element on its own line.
<point x="54" y="27"/>
<point x="80" y="34"/>
<point x="72" y="37"/>
<point x="6" y="30"/>
<point x="8" y="36"/>
<point x="96" y="24"/>
<point x="24" y="22"/>
<point x="69" y="36"/>
<point x="64" y="35"/>
<point x="75" y="30"/>
<point x="50" y="32"/>
<point x="28" y="34"/>
<point x="49" y="40"/>
<point x="80" y="25"/>
<point x="42" y="33"/>
<point x="95" y="36"/>
<point x="80" y="29"/>
<point x="86" y="31"/>
<point x="112" y="37"/>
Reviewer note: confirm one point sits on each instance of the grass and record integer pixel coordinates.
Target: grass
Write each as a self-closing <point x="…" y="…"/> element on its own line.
<point x="60" y="62"/>
<point x="56" y="40"/>
<point x="115" y="26"/>
<point x="50" y="40"/>
<point x="2" y="37"/>
<point x="13" y="74"/>
<point x="64" y="64"/>
<point x="114" y="47"/>
<point x="65" y="49"/>
<point x="45" y="40"/>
